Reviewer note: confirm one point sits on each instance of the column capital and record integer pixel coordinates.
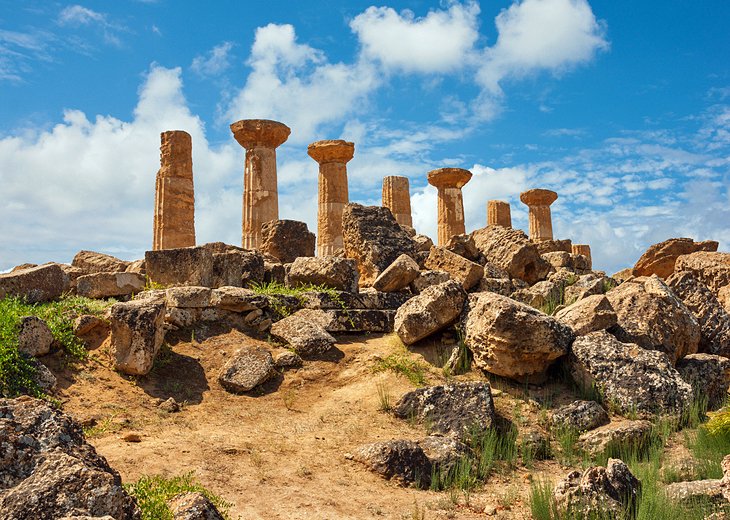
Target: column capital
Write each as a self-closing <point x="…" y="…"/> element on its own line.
<point x="331" y="151"/>
<point x="449" y="177"/>
<point x="538" y="197"/>
<point x="251" y="133"/>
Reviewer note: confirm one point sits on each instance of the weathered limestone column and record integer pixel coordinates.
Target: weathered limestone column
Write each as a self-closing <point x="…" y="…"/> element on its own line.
<point x="585" y="250"/>
<point x="260" y="138"/>
<point x="541" y="224"/>
<point x="397" y="198"/>
<point x="174" y="223"/>
<point x="498" y="213"/>
<point x="449" y="182"/>
<point x="332" y="156"/>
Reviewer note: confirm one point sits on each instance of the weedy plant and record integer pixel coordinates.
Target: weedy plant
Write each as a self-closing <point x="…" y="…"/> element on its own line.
<point x="385" y="400"/>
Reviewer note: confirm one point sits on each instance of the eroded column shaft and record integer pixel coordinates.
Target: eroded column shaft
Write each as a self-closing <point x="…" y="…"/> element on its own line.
<point x="450" y="214"/>
<point x="260" y="193"/>
<point x="397" y="198"/>
<point x="585" y="250"/>
<point x="333" y="195"/>
<point x="498" y="213"/>
<point x="174" y="222"/>
<point x="541" y="223"/>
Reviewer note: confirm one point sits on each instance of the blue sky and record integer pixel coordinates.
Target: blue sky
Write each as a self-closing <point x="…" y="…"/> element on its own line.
<point x="621" y="107"/>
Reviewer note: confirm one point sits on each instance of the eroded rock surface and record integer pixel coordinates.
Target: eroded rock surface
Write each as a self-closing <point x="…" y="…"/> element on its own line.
<point x="708" y="374"/>
<point x="402" y="461"/>
<point x="588" y="315"/>
<point x="511" y="250"/>
<point x="136" y="335"/>
<point x="397" y="275"/>
<point x="466" y="272"/>
<point x="435" y="308"/>
<point x="580" y="416"/>
<point x="287" y="240"/>
<point x="330" y="271"/>
<point x="249" y="367"/>
<point x="660" y="258"/>
<point x="305" y="336"/>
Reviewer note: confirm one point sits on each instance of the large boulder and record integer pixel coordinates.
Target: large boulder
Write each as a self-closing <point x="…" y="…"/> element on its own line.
<point x="457" y="409"/>
<point x="598" y="492"/>
<point x="712" y="269"/>
<point x="427" y="279"/>
<point x="136" y="335"/>
<point x="464" y="246"/>
<point x="708" y="374"/>
<point x="435" y="308"/>
<point x="305" y="336"/>
<point x="193" y="505"/>
<point x="351" y="320"/>
<point x="660" y="258"/>
<point x="511" y="339"/>
<point x="401" y="461"/>
<point x="181" y="266"/>
<point x="398" y="275"/>
<point x="108" y="285"/>
<point x="588" y="315"/>
<point x="286" y="240"/>
<point x="632" y="379"/>
<point x="330" y="271"/>
<point x="236" y="267"/>
<point x="464" y="271"/>
<point x="651" y="316"/>
<point x="511" y="250"/>
<point x="34" y="337"/>
<point x="49" y="471"/>
<point x="373" y="237"/>
<point x="714" y="320"/>
<point x="35" y="284"/>
<point x="247" y="368"/>
<point x="723" y="296"/>
<point x="553" y="246"/>
<point x="92" y="262"/>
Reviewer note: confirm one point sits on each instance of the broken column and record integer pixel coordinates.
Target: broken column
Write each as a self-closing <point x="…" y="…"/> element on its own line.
<point x="260" y="138"/>
<point x="332" y="156"/>
<point x="174" y="223"/>
<point x="585" y="250"/>
<point x="449" y="182"/>
<point x="541" y="224"/>
<point x="397" y="198"/>
<point x="498" y="214"/>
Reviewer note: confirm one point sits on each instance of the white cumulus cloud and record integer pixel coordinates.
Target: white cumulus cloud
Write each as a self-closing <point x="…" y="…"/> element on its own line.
<point x="214" y="62"/>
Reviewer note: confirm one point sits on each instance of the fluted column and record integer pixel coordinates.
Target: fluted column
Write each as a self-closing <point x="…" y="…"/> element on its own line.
<point x="449" y="182"/>
<point x="260" y="138"/>
<point x="332" y="156"/>
<point x="585" y="250"/>
<point x="498" y="213"/>
<point x="174" y="222"/>
<point x="541" y="223"/>
<point x="397" y="198"/>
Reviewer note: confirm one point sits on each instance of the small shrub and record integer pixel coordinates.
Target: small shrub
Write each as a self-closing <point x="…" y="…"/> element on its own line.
<point x="153" y="492"/>
<point x="385" y="400"/>
<point x="403" y="365"/>
<point x="719" y="423"/>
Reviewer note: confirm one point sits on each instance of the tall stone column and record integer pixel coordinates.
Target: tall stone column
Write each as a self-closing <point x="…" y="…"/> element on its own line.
<point x="332" y="156"/>
<point x="174" y="222"/>
<point x="449" y="182"/>
<point x="397" y="198"/>
<point x="260" y="138"/>
<point x="585" y="250"/>
<point x="541" y="223"/>
<point x="498" y="213"/>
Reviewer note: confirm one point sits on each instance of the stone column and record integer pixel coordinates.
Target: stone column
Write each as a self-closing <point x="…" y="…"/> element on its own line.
<point x="449" y="182"/>
<point x="585" y="250"/>
<point x="541" y="224"/>
<point x="498" y="213"/>
<point x="332" y="156"/>
<point x="397" y="198"/>
<point x="260" y="138"/>
<point x="174" y="223"/>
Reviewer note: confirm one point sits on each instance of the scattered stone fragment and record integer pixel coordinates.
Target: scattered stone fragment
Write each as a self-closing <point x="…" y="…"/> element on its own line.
<point x="58" y="473"/>
<point x="444" y="452"/>
<point x="660" y="258"/>
<point x="695" y="491"/>
<point x="539" y="295"/>
<point x="714" y="320"/>
<point x="708" y="374"/>
<point x="402" y="461"/>
<point x="193" y="505"/>
<point x="512" y="339"/>
<point x="86" y="323"/>
<point x="233" y="266"/>
<point x="651" y="316"/>
<point x="552" y="246"/>
<point x="464" y="271"/>
<point x="422" y="243"/>
<point x="249" y="367"/>
<point x="132" y="437"/>
<point x="373" y="299"/>
<point x="188" y="297"/>
<point x="511" y="250"/>
<point x="374" y="239"/>
<point x="236" y="299"/>
<point x="35" y="338"/>
<point x="43" y="377"/>
<point x="634" y="380"/>
<point x="92" y="262"/>
<point x="625" y="434"/>
<point x="35" y="284"/>
<point x="427" y="279"/>
<point x="710" y="268"/>
<point x="136" y="335"/>
<point x="397" y="275"/>
<point x="109" y="285"/>
<point x="454" y="409"/>
<point x="534" y="444"/>
<point x="598" y="491"/>
<point x="181" y="266"/>
<point x="355" y="320"/>
<point x="463" y="245"/>
<point x="286" y="240"/>
<point x="306" y="337"/>
<point x="330" y="271"/>
<point x="288" y="359"/>
<point x="588" y="315"/>
<point x="579" y="416"/>
<point x="433" y="309"/>
<point x="169" y="405"/>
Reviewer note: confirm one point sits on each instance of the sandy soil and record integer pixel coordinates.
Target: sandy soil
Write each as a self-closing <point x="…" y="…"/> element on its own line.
<point x="279" y="453"/>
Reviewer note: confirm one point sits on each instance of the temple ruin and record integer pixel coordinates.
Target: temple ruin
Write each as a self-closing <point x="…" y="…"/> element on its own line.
<point x="449" y="182"/>
<point x="538" y="202"/>
<point x="498" y="213"/>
